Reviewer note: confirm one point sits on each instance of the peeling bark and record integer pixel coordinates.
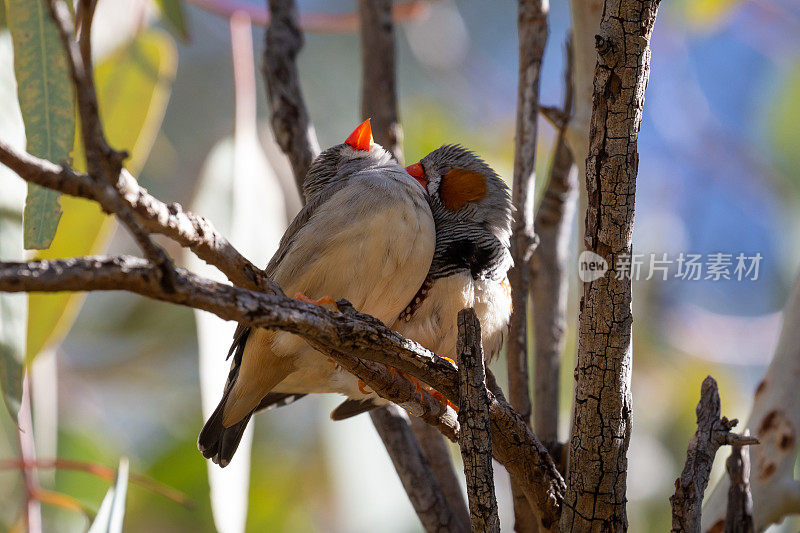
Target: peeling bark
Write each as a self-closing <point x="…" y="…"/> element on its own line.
<point x="475" y="438"/>
<point x="596" y="477"/>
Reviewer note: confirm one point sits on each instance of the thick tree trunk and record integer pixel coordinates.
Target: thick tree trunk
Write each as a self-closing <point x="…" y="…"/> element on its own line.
<point x="596" y="476"/>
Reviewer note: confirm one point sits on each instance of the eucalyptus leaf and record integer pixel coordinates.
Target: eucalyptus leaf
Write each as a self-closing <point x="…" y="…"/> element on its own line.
<point x="45" y="98"/>
<point x="111" y="514"/>
<point x="133" y="86"/>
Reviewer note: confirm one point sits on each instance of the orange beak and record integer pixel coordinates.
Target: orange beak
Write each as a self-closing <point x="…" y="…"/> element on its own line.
<point x="361" y="138"/>
<point x="418" y="173"/>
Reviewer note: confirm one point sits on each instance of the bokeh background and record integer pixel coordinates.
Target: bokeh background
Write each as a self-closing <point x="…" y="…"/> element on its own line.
<point x="719" y="158"/>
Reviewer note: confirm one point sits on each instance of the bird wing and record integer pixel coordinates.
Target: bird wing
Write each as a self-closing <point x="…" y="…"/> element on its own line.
<point x="242" y="330"/>
<point x="370" y="242"/>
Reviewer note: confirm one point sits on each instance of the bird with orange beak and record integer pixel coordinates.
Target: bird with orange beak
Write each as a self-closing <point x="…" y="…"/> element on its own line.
<point x="472" y="211"/>
<point x="365" y="234"/>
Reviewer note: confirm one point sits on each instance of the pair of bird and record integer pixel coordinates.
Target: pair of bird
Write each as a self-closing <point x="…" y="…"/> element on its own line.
<point x="410" y="246"/>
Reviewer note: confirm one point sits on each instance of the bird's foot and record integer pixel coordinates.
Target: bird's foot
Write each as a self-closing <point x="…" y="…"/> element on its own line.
<point x="362" y="387"/>
<point x="327" y="300"/>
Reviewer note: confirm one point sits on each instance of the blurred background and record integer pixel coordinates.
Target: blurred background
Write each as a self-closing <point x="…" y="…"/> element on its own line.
<point x="117" y="375"/>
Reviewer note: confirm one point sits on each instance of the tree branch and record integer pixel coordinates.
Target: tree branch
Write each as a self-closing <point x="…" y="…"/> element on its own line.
<point x="379" y="103"/>
<point x="549" y="271"/>
<point x="364" y="339"/>
<point x="418" y="480"/>
<point x="187" y="229"/>
<point x="103" y="162"/>
<point x="378" y="86"/>
<point x="532" y="30"/>
<point x="293" y="130"/>
<point x="473" y="417"/>
<point x="601" y="424"/>
<point x="712" y="432"/>
<point x="739" y="518"/>
<point x="438" y="455"/>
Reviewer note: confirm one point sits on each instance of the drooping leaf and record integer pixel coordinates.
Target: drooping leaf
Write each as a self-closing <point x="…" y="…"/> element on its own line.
<point x="111" y="514"/>
<point x="13" y="307"/>
<point x="46" y="101"/>
<point x="172" y="11"/>
<point x="133" y="86"/>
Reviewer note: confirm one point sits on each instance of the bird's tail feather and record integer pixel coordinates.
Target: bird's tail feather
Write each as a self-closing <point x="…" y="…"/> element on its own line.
<point x="217" y="442"/>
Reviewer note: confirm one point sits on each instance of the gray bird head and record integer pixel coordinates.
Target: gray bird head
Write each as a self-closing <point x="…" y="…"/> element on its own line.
<point x="357" y="153"/>
<point x="464" y="187"/>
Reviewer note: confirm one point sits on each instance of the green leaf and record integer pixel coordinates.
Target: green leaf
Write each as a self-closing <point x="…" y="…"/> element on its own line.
<point x="172" y="11"/>
<point x="45" y="98"/>
<point x="112" y="511"/>
<point x="133" y="86"/>
<point x="13" y="307"/>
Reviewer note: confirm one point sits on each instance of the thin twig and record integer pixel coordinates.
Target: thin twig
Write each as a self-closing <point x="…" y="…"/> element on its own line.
<point x="27" y="453"/>
<point x="712" y="432"/>
<point x="291" y="126"/>
<point x="549" y="271"/>
<point x="532" y="31"/>
<point x="379" y="103"/>
<point x="83" y="19"/>
<point x="103" y="472"/>
<point x="378" y="86"/>
<point x="103" y="162"/>
<point x="185" y="228"/>
<point x="437" y="452"/>
<point x="739" y="516"/>
<point x="475" y="438"/>
<point x="313" y="22"/>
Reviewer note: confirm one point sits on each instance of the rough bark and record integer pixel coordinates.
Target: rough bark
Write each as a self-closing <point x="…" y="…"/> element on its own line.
<point x="532" y="29"/>
<point x="549" y="272"/>
<point x="739" y="517"/>
<point x="418" y="480"/>
<point x="289" y="118"/>
<point x="437" y="452"/>
<point x="532" y="32"/>
<point x="360" y="343"/>
<point x="775" y="418"/>
<point x="378" y="86"/>
<point x="596" y="478"/>
<point x="585" y="18"/>
<point x="475" y="438"/>
<point x="712" y="432"/>
<point x="103" y="162"/>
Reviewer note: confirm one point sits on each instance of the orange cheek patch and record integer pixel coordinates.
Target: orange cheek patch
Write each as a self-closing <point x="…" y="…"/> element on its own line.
<point x="460" y="186"/>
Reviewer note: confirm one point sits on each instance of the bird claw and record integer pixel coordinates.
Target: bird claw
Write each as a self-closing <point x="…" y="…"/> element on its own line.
<point x="319" y="301"/>
<point x="362" y="387"/>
